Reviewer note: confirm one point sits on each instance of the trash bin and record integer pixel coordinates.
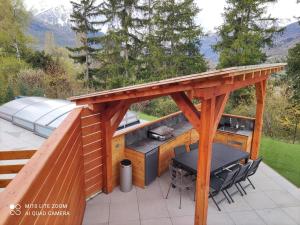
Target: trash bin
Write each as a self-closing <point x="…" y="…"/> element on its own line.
<point x="125" y="175"/>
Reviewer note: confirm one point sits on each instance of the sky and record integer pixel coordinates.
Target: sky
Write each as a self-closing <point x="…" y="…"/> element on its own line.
<point x="210" y="16"/>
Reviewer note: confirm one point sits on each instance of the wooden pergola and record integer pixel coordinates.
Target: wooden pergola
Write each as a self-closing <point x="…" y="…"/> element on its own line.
<point x="211" y="88"/>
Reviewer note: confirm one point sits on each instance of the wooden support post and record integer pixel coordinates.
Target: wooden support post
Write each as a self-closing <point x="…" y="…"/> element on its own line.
<point x="111" y="118"/>
<point x="204" y="160"/>
<point x="260" y="88"/>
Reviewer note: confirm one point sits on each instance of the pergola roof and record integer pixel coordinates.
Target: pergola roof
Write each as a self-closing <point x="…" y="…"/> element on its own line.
<point x="176" y="84"/>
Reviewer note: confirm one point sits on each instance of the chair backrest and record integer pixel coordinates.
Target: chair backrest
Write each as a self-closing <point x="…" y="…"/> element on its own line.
<point x="243" y="172"/>
<point x="179" y="150"/>
<point x="254" y="166"/>
<point x="175" y="174"/>
<point x="194" y="146"/>
<point x="230" y="178"/>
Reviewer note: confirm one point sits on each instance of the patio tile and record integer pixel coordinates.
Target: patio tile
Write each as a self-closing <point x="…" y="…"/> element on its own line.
<point x="219" y="219"/>
<point x="159" y="221"/>
<point x="156" y="208"/>
<point x="153" y="191"/>
<point x="240" y="204"/>
<point x="275" y="217"/>
<point x="259" y="200"/>
<point x="283" y="198"/>
<point x="265" y="184"/>
<point x="183" y="220"/>
<point x="101" y="198"/>
<point x="135" y="222"/>
<point x="96" y="213"/>
<point x="125" y="211"/>
<point x="117" y="196"/>
<point x="246" y="218"/>
<point x="187" y="204"/>
<point x="293" y="212"/>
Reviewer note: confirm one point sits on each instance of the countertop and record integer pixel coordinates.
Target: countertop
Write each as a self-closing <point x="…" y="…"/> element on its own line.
<point x="146" y="145"/>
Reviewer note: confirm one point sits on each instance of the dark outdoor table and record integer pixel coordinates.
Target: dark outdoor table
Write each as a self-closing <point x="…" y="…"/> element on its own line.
<point x="222" y="156"/>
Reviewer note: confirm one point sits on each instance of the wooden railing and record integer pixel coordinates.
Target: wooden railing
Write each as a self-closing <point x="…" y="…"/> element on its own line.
<point x="11" y="169"/>
<point x="50" y="187"/>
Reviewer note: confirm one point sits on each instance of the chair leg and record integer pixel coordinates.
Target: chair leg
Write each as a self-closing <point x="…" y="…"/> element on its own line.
<point x="237" y="187"/>
<point x="179" y="198"/>
<point x="250" y="182"/>
<point x="229" y="195"/>
<point x="242" y="188"/>
<point x="168" y="190"/>
<point x="212" y="197"/>
<point x="228" y="200"/>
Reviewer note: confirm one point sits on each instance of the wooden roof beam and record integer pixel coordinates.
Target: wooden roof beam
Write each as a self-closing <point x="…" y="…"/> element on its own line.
<point x="187" y="108"/>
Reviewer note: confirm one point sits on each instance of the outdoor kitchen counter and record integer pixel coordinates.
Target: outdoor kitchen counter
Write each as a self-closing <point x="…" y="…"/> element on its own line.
<point x="148" y="144"/>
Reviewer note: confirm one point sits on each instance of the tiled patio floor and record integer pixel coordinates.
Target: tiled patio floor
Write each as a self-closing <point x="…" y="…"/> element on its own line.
<point x="275" y="201"/>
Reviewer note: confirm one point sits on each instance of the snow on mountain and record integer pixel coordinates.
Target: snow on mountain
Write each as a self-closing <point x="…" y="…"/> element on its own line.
<point x="50" y="12"/>
<point x="59" y="15"/>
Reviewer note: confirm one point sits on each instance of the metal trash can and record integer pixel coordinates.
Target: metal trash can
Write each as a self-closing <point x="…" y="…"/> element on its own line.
<point x="125" y="175"/>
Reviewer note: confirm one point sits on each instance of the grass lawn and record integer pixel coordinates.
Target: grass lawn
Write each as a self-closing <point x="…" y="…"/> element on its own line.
<point x="144" y="116"/>
<point x="283" y="157"/>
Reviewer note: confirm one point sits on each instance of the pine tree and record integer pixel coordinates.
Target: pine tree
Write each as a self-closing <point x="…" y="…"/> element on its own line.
<point x="246" y="31"/>
<point x="120" y="45"/>
<point x="86" y="26"/>
<point x="178" y="37"/>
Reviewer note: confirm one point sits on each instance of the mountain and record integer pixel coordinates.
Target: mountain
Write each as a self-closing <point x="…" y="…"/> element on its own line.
<point x="288" y="39"/>
<point x="55" y="20"/>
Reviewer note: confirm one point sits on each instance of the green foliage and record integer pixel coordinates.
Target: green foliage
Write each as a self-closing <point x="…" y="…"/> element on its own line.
<point x="85" y="26"/>
<point x="162" y="43"/>
<point x="293" y="71"/>
<point x="161" y="107"/>
<point x="38" y="59"/>
<point x="13" y="23"/>
<point x="246" y="31"/>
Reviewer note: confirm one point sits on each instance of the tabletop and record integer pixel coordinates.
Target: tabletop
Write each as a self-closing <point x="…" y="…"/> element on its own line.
<point x="222" y="156"/>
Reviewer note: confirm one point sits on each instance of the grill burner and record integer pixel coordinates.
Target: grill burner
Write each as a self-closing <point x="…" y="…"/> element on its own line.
<point x="161" y="133"/>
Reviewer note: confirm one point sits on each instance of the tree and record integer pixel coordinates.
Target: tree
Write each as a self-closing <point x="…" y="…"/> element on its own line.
<point x="178" y="37"/>
<point x="246" y="31"/>
<point x="121" y="45"/>
<point x="49" y="43"/>
<point x="14" y="20"/>
<point x="85" y="25"/>
<point x="293" y="71"/>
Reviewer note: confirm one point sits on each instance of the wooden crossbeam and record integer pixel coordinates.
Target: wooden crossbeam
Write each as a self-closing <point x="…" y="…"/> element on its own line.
<point x="188" y="108"/>
<point x="5" y="169"/>
<point x="4" y="182"/>
<point x="16" y="154"/>
<point x="221" y="101"/>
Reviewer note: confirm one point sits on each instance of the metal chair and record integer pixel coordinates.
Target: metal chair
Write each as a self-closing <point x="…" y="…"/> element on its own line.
<point x="179" y="150"/>
<point x="220" y="183"/>
<point x="241" y="176"/>
<point x="252" y="170"/>
<point x="194" y="146"/>
<point x="179" y="180"/>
